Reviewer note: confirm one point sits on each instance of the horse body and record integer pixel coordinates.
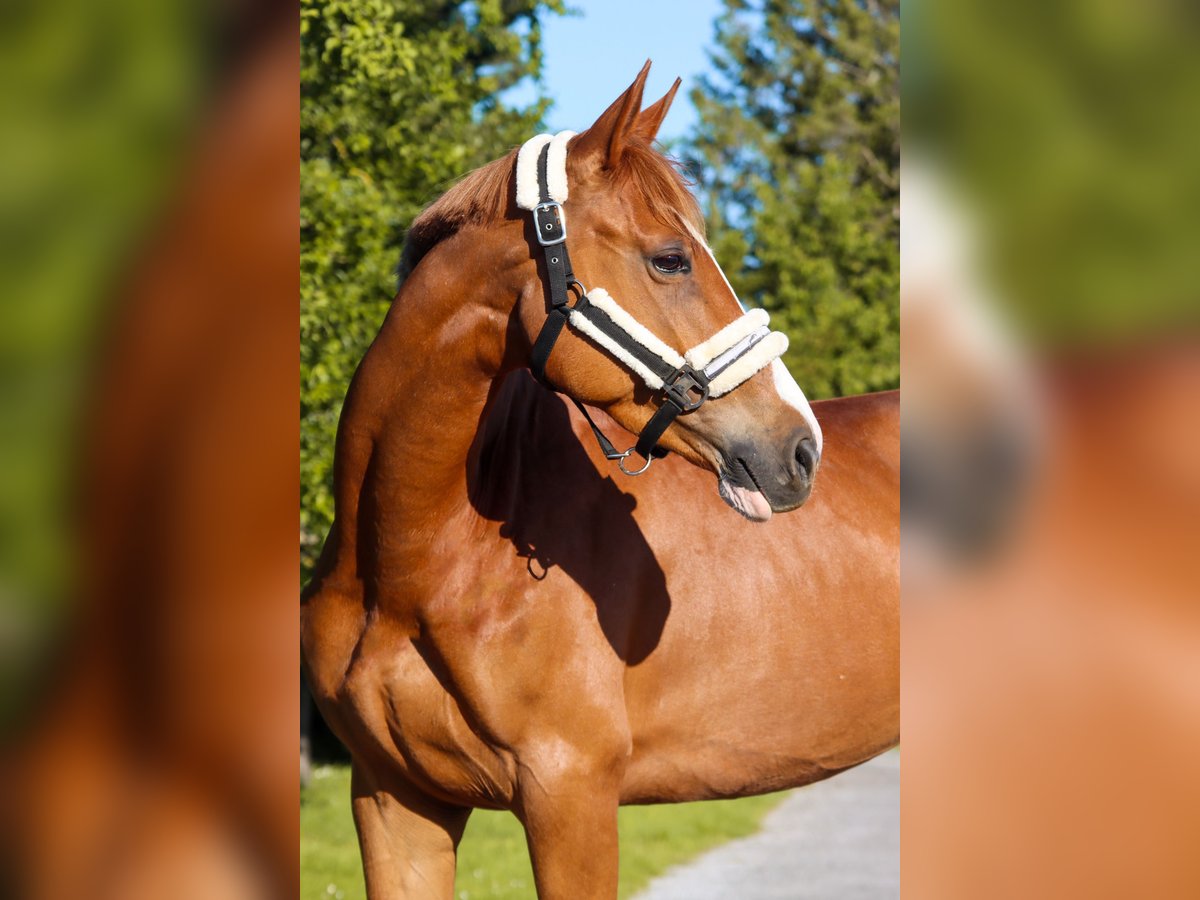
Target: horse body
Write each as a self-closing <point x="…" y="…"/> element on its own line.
<point x="495" y="623"/>
<point x="778" y="663"/>
<point x="714" y="657"/>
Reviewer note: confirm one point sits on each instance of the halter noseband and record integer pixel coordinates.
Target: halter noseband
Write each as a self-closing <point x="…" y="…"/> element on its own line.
<point x="710" y="369"/>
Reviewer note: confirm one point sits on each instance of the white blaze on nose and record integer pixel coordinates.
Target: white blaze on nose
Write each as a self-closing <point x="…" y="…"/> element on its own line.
<point x="785" y="385"/>
<point x="790" y="393"/>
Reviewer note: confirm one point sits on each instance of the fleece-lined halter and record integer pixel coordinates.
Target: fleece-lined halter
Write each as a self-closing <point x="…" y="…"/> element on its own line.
<point x="709" y="370"/>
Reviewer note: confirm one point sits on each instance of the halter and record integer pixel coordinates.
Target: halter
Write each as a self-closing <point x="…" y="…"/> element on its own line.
<point x="683" y="382"/>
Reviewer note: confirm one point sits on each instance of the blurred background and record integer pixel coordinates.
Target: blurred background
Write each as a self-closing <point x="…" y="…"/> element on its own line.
<point x="1050" y="488"/>
<point x="148" y="575"/>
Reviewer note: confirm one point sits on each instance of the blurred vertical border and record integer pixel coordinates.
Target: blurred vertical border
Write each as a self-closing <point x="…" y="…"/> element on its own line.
<point x="1050" y="297"/>
<point x="149" y="210"/>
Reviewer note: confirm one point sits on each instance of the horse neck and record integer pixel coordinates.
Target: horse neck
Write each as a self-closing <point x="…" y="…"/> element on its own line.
<point x="421" y="391"/>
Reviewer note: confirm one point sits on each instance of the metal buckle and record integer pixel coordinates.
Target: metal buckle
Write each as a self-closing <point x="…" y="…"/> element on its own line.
<point x="687" y="388"/>
<point x="556" y="227"/>
<point x="624" y="456"/>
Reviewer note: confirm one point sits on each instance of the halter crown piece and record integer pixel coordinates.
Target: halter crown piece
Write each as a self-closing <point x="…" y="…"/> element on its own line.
<point x="683" y="381"/>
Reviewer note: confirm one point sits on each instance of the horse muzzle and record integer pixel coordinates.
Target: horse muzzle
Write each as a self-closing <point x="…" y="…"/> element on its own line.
<point x="758" y="479"/>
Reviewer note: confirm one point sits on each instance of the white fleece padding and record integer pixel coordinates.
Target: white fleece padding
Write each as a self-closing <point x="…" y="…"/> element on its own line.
<point x="718" y="364"/>
<point x="528" y="194"/>
<point x="583" y="326"/>
<point x="773" y="346"/>
<point x="704" y="353"/>
<point x="556" y="166"/>
<point x="755" y="358"/>
<point x="527" y="180"/>
<point x="600" y="299"/>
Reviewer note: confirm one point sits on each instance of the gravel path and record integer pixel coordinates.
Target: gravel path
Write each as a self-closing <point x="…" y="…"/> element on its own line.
<point x="835" y="840"/>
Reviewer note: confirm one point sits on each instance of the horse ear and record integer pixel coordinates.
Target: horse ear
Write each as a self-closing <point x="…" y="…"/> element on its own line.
<point x="605" y="140"/>
<point x="650" y="119"/>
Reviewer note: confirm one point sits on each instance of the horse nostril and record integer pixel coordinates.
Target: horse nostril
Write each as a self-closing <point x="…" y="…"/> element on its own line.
<point x="806" y="457"/>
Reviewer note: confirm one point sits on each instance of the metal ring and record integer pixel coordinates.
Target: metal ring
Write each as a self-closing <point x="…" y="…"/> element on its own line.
<point x="624" y="456"/>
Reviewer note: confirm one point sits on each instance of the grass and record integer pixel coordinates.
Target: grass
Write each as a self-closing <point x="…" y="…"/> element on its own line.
<point x="493" y="862"/>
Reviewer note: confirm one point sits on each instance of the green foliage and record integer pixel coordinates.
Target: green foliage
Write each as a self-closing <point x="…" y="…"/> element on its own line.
<point x="398" y="97"/>
<point x="493" y="861"/>
<point x="799" y="152"/>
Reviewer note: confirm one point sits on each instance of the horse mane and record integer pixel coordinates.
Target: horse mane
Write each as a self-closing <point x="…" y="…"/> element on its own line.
<point x="482" y="197"/>
<point x="486" y="196"/>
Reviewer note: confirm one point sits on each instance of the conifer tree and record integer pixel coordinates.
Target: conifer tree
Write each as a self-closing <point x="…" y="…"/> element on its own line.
<point x="798" y="154"/>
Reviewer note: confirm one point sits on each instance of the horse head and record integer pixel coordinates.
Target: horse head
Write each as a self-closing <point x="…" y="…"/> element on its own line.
<point x="636" y="240"/>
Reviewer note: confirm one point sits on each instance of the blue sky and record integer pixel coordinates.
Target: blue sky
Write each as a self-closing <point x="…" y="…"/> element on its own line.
<point x="591" y="57"/>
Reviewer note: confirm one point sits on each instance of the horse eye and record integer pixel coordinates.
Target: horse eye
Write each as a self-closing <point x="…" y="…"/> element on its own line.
<point x="671" y="263"/>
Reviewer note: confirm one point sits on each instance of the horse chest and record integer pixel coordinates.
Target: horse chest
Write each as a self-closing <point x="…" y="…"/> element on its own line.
<point x="412" y="708"/>
<point x="484" y="678"/>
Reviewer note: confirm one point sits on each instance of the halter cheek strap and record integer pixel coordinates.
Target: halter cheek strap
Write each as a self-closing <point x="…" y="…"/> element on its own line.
<point x="683" y="381"/>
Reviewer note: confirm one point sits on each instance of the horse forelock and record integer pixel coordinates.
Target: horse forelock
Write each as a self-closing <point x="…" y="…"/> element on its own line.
<point x="659" y="181"/>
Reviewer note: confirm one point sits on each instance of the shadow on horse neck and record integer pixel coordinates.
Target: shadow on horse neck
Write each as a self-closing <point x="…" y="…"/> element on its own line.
<point x="528" y="470"/>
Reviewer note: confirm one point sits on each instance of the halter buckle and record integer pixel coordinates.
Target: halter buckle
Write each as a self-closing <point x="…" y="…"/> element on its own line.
<point x="551" y="230"/>
<point x="687" y="388"/>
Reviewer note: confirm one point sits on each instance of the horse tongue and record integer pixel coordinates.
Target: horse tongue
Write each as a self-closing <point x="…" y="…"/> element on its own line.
<point x="750" y="503"/>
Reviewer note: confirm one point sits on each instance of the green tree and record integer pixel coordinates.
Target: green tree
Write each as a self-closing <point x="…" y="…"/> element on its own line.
<point x="798" y="150"/>
<point x="398" y="97"/>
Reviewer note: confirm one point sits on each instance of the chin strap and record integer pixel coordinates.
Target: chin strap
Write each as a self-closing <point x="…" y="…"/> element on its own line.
<point x="683" y="382"/>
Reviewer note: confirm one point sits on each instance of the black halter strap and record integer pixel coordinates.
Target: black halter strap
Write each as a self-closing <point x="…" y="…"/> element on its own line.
<point x="684" y="388"/>
<point x="550" y="228"/>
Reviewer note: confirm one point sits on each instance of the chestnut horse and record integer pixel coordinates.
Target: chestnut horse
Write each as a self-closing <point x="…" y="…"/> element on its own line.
<point x="496" y="622"/>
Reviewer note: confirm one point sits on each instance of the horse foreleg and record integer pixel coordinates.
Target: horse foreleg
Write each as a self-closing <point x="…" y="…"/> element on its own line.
<point x="570" y="819"/>
<point x="409" y="840"/>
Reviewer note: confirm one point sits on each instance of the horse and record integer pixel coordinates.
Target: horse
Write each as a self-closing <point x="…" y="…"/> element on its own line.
<point x="496" y="622"/>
